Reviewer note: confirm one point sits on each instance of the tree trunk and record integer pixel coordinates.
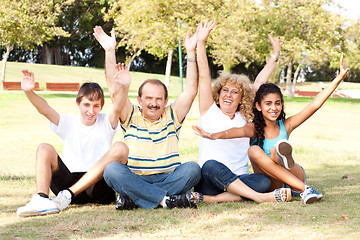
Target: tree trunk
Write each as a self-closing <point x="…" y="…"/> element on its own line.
<point x="47" y="54"/>
<point x="226" y="67"/>
<point x="57" y="56"/>
<point x="9" y="47"/>
<point x="289" y="90"/>
<point x="296" y="75"/>
<point x="133" y="57"/>
<point x="168" y="67"/>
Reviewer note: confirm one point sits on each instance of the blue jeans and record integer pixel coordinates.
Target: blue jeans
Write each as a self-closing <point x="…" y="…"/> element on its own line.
<point x="147" y="191"/>
<point x="216" y="177"/>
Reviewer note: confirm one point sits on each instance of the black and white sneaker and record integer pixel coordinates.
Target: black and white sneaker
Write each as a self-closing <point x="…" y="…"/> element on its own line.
<point x="184" y="200"/>
<point x="124" y="203"/>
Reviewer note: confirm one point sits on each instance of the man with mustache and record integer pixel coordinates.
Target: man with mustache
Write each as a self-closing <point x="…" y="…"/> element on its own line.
<point x="154" y="175"/>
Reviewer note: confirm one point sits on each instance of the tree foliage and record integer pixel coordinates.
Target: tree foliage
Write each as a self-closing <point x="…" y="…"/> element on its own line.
<point x="27" y="24"/>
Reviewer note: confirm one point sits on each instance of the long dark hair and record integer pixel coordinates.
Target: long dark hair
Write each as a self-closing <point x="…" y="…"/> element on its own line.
<point x="259" y="121"/>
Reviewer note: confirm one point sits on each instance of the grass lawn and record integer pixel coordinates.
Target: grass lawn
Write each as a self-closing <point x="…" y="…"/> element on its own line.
<point x="327" y="146"/>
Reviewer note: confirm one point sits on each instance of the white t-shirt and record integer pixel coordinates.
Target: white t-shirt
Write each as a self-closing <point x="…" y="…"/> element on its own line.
<point x="233" y="153"/>
<point x="83" y="145"/>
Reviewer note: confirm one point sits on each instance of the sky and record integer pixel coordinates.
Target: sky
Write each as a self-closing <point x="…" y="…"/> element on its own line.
<point x="352" y="8"/>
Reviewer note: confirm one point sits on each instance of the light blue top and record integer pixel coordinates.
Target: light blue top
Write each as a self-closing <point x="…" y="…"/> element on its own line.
<point x="271" y="143"/>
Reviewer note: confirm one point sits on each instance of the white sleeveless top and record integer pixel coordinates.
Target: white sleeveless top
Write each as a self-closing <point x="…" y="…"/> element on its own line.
<point x="233" y="153"/>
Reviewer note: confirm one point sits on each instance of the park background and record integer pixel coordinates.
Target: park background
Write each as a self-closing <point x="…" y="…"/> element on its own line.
<point x="327" y="145"/>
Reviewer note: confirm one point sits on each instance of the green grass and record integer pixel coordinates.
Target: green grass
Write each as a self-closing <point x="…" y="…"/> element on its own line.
<point x="327" y="146"/>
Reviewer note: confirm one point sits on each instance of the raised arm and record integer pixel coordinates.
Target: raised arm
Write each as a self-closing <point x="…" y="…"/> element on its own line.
<point x="247" y="131"/>
<point x="265" y="74"/>
<point x="205" y="92"/>
<point x="294" y="121"/>
<point x="28" y="86"/>
<point x="108" y="43"/>
<point x="183" y="103"/>
<point x="121" y="84"/>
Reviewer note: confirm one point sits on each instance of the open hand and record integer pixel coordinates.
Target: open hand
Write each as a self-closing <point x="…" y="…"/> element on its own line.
<point x="205" y="29"/>
<point x="343" y="69"/>
<point x="200" y="132"/>
<point x="27" y="81"/>
<point x="276" y="44"/>
<point x="190" y="42"/>
<point x="122" y="75"/>
<point x="106" y="41"/>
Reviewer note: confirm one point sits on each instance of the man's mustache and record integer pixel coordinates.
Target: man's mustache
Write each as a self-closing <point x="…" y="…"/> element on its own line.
<point x="154" y="107"/>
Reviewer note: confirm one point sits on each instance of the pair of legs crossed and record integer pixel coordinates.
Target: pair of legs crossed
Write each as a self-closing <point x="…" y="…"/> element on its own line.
<point x="220" y="184"/>
<point x="148" y="191"/>
<point x="47" y="165"/>
<point x="272" y="167"/>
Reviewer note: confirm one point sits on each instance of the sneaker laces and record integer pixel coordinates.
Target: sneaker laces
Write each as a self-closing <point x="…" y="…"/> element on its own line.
<point x="307" y="191"/>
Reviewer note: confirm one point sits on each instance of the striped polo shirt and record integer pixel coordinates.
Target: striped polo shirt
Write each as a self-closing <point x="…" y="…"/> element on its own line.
<point x="153" y="146"/>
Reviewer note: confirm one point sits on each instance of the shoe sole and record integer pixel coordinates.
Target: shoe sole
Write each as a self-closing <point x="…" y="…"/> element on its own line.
<point x="284" y="150"/>
<point x="313" y="199"/>
<point x="36" y="213"/>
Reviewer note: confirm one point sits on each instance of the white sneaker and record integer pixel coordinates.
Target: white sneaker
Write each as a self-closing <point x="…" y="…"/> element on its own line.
<point x="37" y="206"/>
<point x="62" y="200"/>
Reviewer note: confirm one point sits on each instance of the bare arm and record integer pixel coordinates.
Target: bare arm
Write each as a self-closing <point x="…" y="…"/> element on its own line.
<point x="265" y="74"/>
<point x="294" y="121"/>
<point x="183" y="103"/>
<point x="121" y="84"/>
<point x="109" y="45"/>
<point x="28" y="85"/>
<point x="205" y="91"/>
<point x="247" y="131"/>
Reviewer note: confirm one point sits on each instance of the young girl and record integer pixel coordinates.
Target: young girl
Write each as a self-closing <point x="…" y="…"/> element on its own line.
<point x="271" y="153"/>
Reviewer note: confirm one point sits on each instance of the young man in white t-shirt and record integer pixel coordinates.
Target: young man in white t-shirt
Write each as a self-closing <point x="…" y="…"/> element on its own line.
<point x="77" y="176"/>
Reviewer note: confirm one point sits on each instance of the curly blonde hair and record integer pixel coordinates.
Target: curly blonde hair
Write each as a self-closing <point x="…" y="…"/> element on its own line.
<point x="242" y="82"/>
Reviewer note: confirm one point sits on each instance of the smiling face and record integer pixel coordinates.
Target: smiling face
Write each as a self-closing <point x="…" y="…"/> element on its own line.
<point x="89" y="110"/>
<point x="152" y="101"/>
<point x="229" y="99"/>
<point x="270" y="106"/>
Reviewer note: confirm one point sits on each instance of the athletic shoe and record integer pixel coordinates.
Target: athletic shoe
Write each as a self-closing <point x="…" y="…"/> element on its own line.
<point x="310" y="195"/>
<point x="284" y="151"/>
<point x="63" y="199"/>
<point x="37" y="206"/>
<point x="124" y="203"/>
<point x="184" y="200"/>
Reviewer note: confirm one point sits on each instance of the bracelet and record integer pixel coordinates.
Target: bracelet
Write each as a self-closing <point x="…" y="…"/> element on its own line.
<point x="274" y="57"/>
<point x="190" y="59"/>
<point x="225" y="134"/>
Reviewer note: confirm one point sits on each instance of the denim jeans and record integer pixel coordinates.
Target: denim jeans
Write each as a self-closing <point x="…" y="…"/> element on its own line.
<point x="216" y="177"/>
<point x="147" y="191"/>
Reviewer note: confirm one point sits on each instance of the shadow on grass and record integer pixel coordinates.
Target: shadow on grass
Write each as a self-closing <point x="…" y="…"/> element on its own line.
<point x="339" y="184"/>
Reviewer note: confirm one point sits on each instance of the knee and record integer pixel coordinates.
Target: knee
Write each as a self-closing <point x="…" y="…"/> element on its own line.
<point x="119" y="152"/>
<point x="193" y="168"/>
<point x="45" y="148"/>
<point x="46" y="153"/>
<point x="112" y="170"/>
<point x="209" y="165"/>
<point x="254" y="151"/>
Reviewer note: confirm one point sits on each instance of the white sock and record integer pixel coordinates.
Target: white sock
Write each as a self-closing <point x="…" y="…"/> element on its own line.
<point x="164" y="201"/>
<point x="67" y="194"/>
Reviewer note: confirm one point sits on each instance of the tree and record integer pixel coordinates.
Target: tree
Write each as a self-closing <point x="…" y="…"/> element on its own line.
<point x="152" y="25"/>
<point x="311" y="33"/>
<point x="78" y="18"/>
<point x="233" y="42"/>
<point x="26" y="24"/>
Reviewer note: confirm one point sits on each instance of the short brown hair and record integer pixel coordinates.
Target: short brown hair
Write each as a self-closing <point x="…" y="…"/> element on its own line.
<point x="153" y="81"/>
<point x="91" y="91"/>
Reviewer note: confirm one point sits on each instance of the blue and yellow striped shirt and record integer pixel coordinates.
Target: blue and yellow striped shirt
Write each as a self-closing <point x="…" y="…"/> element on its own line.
<point x="153" y="146"/>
